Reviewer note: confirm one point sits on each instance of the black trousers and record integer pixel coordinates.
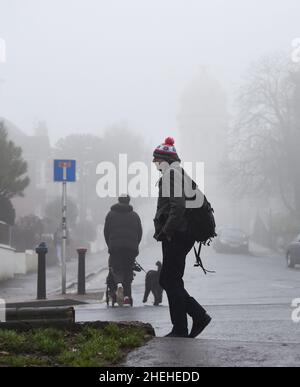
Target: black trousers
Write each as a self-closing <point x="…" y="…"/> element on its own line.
<point x="171" y="279"/>
<point x="121" y="263"/>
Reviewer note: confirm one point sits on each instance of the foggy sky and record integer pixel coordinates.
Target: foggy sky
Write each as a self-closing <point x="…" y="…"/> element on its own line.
<point x="82" y="65"/>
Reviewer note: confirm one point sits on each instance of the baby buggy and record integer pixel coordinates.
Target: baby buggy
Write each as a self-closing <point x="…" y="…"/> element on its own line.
<point x="111" y="289"/>
<point x="113" y="293"/>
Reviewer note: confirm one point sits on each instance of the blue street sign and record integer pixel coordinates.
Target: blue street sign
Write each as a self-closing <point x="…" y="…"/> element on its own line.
<point x="65" y="171"/>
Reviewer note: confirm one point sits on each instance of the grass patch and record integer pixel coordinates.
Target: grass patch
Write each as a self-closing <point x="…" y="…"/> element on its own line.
<point x="90" y="347"/>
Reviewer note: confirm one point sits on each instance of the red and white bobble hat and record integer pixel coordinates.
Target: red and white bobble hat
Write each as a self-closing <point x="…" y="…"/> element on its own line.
<point x="166" y="151"/>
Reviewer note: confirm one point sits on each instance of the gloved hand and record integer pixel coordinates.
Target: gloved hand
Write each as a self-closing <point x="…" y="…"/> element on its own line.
<point x="162" y="236"/>
<point x="136" y="267"/>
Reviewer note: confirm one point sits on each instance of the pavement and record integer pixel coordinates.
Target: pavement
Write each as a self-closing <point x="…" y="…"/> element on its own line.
<point x="249" y="298"/>
<point x="213" y="353"/>
<point x="250" y="301"/>
<point x="24" y="287"/>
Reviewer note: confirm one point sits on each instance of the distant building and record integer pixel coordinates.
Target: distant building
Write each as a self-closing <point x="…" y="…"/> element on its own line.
<point x="203" y="122"/>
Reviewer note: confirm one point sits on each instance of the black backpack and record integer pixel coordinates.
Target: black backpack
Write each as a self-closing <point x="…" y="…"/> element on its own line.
<point x="202" y="225"/>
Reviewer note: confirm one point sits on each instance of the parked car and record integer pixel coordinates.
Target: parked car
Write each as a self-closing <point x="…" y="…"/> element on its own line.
<point x="231" y="239"/>
<point x="293" y="253"/>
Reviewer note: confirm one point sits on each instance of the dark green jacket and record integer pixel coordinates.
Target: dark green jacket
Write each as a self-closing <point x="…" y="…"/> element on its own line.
<point x="171" y="209"/>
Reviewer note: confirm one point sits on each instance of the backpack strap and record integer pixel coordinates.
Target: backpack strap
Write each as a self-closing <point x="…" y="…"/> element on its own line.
<point x="199" y="262"/>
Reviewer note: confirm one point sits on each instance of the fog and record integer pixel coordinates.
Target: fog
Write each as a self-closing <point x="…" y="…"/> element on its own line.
<point x="94" y="96"/>
<point x="92" y="79"/>
<point x="84" y="65"/>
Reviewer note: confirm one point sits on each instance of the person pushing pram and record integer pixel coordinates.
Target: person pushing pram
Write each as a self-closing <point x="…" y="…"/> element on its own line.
<point x="123" y="234"/>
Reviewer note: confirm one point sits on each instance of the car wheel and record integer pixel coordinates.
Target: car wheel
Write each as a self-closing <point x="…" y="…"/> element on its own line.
<point x="290" y="261"/>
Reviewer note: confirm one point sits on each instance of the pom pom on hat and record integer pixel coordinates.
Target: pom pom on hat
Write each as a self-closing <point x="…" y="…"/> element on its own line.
<point x="169" y="141"/>
<point x="166" y="151"/>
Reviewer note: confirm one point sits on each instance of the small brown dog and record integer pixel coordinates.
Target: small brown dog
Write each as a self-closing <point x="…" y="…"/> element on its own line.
<point x="152" y="285"/>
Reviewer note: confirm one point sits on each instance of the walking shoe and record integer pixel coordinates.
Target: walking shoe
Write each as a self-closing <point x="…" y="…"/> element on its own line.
<point x="127" y="301"/>
<point x="174" y="334"/>
<point x="120" y="295"/>
<point x="199" y="326"/>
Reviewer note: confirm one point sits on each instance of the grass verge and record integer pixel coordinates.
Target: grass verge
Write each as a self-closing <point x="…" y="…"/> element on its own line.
<point x="90" y="347"/>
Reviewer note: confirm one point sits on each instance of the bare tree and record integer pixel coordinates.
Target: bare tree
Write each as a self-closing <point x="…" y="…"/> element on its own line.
<point x="265" y="158"/>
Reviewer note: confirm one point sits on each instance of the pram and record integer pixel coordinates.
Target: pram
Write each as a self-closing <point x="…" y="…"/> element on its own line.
<point x="112" y="286"/>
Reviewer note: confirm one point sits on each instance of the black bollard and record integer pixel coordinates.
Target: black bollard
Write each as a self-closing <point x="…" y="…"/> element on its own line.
<point x="81" y="270"/>
<point x="41" y="251"/>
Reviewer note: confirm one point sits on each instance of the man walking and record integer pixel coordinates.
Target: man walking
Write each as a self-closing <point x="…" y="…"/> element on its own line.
<point x="172" y="229"/>
<point x="123" y="234"/>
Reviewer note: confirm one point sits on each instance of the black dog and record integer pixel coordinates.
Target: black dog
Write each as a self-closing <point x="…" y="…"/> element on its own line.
<point x="152" y="285"/>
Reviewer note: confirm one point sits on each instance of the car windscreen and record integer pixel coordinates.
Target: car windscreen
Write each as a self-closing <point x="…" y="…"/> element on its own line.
<point x="231" y="233"/>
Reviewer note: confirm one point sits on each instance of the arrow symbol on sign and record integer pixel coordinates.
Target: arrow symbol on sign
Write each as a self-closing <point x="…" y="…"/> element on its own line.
<point x="65" y="165"/>
<point x="64" y="173"/>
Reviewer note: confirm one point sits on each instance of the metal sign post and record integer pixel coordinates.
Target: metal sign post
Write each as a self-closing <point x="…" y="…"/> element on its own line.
<point x="64" y="239"/>
<point x="64" y="171"/>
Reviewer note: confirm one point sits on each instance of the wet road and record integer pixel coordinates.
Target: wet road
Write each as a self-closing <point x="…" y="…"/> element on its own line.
<point x="249" y="297"/>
